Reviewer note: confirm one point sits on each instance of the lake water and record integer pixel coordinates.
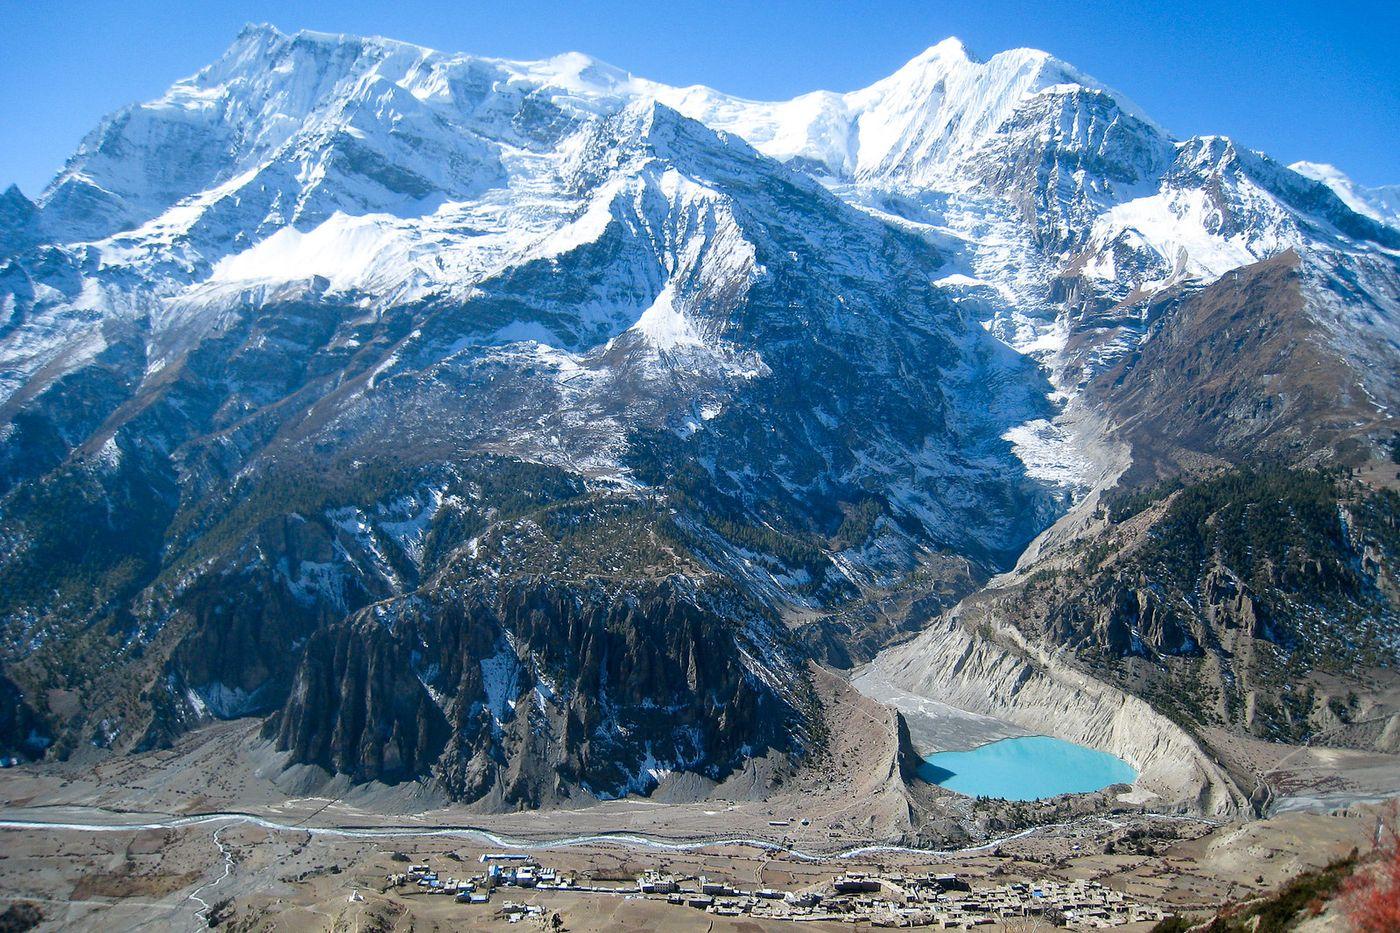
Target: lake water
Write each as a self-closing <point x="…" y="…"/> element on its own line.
<point x="1028" y="768"/>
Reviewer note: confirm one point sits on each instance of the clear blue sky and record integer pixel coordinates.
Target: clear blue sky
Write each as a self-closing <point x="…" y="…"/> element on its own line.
<point x="1300" y="80"/>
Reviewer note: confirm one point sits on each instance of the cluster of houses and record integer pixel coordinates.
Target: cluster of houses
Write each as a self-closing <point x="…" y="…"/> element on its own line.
<point x="950" y="902"/>
<point x="885" y="899"/>
<point x="933" y="900"/>
<point x="501" y="870"/>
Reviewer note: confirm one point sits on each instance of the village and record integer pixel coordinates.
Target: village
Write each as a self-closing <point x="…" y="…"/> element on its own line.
<point x="944" y="901"/>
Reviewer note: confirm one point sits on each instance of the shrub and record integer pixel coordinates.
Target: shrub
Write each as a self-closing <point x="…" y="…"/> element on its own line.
<point x="1372" y="897"/>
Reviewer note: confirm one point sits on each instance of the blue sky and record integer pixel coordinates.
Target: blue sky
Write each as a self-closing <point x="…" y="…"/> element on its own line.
<point x="1300" y="80"/>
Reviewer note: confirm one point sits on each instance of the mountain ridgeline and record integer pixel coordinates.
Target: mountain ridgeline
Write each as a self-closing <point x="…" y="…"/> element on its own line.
<point x="531" y="429"/>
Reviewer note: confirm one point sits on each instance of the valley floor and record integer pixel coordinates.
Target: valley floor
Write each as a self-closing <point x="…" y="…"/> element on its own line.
<point x="314" y="878"/>
<point x="128" y="842"/>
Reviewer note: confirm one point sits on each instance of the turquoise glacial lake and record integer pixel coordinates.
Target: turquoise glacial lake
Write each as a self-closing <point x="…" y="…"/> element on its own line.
<point x="1028" y="768"/>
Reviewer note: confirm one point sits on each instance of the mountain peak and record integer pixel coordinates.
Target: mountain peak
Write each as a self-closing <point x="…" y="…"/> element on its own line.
<point x="950" y="49"/>
<point x="578" y="71"/>
<point x="920" y="122"/>
<point x="253" y="41"/>
<point x="16" y="210"/>
<point x="252" y="30"/>
<point x="932" y="65"/>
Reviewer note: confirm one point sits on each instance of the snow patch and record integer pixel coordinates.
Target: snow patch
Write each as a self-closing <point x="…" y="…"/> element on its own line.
<point x="665" y="326"/>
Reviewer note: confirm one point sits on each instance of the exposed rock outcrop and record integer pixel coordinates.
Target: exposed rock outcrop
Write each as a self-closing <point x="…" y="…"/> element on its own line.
<point x="534" y="691"/>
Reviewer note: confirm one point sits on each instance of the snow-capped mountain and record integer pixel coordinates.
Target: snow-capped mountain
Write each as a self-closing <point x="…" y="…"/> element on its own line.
<point x="1039" y="177"/>
<point x="387" y="383"/>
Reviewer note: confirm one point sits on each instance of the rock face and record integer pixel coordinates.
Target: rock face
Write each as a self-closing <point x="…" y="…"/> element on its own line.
<point x="525" y="426"/>
<point x="1225" y="597"/>
<point x="532" y="690"/>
